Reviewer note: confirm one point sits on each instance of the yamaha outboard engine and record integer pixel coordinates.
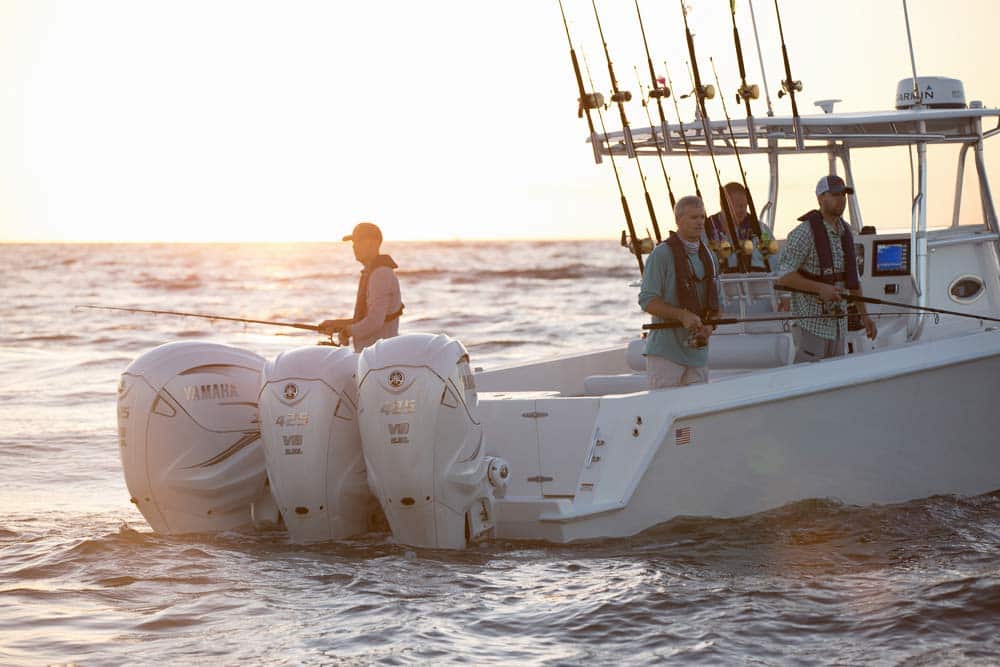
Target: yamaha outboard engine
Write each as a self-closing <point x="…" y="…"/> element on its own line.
<point x="189" y="437"/>
<point x="312" y="444"/>
<point x="423" y="441"/>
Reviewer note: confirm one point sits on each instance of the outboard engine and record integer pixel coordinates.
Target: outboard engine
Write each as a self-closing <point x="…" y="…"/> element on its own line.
<point x="312" y="444"/>
<point x="423" y="441"/>
<point x="189" y="437"/>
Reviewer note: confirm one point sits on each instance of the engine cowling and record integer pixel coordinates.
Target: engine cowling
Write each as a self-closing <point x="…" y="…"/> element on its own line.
<point x="312" y="445"/>
<point x="189" y="438"/>
<point x="423" y="441"/>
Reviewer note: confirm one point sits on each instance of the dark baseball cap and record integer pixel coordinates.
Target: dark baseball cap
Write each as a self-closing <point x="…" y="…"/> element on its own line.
<point x="365" y="230"/>
<point x="834" y="185"/>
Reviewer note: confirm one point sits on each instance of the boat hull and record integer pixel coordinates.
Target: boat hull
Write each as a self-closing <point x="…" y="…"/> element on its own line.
<point x="896" y="426"/>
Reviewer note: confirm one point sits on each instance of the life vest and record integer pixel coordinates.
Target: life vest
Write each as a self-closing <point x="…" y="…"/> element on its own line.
<point x="361" y="302"/>
<point x="718" y="223"/>
<point x="824" y="254"/>
<point x="687" y="282"/>
<point x="716" y="229"/>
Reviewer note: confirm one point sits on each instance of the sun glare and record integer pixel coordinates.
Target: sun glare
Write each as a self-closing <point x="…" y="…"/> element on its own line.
<point x="231" y="121"/>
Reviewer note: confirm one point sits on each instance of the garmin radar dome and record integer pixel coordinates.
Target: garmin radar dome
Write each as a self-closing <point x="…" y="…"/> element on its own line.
<point x="189" y="438"/>
<point x="312" y="444"/>
<point x="423" y="442"/>
<point x="935" y="92"/>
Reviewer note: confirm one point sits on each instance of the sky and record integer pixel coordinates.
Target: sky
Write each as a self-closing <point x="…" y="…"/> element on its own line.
<point x="246" y="120"/>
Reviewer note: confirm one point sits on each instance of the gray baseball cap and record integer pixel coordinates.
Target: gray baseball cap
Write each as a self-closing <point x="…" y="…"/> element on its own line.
<point x="834" y="185"/>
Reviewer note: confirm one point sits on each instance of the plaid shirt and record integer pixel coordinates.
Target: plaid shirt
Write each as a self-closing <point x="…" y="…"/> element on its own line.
<point x="800" y="253"/>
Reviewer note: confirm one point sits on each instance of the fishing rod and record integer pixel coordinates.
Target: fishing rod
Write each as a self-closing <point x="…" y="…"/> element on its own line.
<point x="701" y="93"/>
<point x="789" y="86"/>
<point x="760" y="59"/>
<point x="634" y="245"/>
<point x="746" y="92"/>
<point x="294" y="325"/>
<point x="596" y="101"/>
<point x="680" y="124"/>
<point x="754" y="220"/>
<point x="620" y="97"/>
<point x="847" y="296"/>
<point x="587" y="101"/>
<point x="657" y="92"/>
<point x="777" y="318"/>
<point x="659" y="153"/>
<point x="642" y="177"/>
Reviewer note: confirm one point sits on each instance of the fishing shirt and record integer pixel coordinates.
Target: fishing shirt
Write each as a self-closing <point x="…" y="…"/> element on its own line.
<point x="659" y="279"/>
<point x="382" y="298"/>
<point x="800" y="253"/>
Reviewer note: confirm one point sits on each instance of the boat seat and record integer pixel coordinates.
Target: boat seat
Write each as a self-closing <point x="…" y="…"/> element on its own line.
<point x="751" y="350"/>
<point x="725" y="352"/>
<point x="743" y="351"/>
<point x="604" y="385"/>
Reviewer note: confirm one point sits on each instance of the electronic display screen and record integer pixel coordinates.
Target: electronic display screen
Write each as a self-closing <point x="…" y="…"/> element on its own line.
<point x="892" y="258"/>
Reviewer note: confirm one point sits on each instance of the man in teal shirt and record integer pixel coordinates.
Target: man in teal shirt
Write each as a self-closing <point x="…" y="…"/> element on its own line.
<point x="679" y="285"/>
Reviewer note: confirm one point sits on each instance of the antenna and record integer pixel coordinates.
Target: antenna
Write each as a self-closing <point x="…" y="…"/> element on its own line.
<point x="913" y="61"/>
<point x="760" y="57"/>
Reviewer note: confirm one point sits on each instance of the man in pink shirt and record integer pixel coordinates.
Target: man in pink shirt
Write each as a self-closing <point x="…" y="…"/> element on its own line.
<point x="378" y="305"/>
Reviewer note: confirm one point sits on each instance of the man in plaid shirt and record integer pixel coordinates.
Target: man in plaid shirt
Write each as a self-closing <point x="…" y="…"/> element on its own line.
<point x="825" y="266"/>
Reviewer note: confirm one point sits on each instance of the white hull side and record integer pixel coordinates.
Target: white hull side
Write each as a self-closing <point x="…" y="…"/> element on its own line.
<point x="891" y="427"/>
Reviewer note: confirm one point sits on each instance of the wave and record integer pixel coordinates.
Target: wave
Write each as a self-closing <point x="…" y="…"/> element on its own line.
<point x="498" y="344"/>
<point x="48" y="338"/>
<point x="565" y="272"/>
<point x="189" y="282"/>
<point x="78" y="397"/>
<point x="192" y="333"/>
<point x="321" y="276"/>
<point x="422" y="273"/>
<point x="105" y="361"/>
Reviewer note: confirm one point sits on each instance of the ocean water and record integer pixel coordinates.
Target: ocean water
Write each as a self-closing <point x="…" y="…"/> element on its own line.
<point x="84" y="580"/>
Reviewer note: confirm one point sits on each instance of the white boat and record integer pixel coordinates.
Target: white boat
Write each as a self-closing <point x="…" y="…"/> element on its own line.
<point x="577" y="447"/>
<point x="594" y="454"/>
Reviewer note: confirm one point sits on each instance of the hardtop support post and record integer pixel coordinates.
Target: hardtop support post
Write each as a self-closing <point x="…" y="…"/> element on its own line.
<point x="918" y="238"/>
<point x="856" y="220"/>
<point x="771" y="207"/>
<point x="959" y="184"/>
<point x="985" y="192"/>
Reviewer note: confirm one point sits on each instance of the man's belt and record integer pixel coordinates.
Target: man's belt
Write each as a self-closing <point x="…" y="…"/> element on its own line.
<point x="840" y="277"/>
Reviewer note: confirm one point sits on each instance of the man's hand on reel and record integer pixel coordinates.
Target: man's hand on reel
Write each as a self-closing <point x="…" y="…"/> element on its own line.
<point x="829" y="293"/>
<point x="340" y="327"/>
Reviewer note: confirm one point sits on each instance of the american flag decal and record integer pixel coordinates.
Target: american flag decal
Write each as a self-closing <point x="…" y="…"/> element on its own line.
<point x="682" y="436"/>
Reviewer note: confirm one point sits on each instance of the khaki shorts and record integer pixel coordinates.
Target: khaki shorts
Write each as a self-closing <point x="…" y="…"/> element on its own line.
<point x="810" y="347"/>
<point x="665" y="373"/>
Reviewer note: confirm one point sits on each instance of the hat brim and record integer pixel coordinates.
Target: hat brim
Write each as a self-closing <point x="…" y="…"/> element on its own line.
<point x="845" y="190"/>
<point x="349" y="237"/>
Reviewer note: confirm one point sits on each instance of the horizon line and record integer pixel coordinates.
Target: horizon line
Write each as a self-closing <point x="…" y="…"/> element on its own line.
<point x="286" y="242"/>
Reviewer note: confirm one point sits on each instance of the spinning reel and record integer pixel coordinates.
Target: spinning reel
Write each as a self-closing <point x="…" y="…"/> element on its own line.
<point x="747" y="92"/>
<point x="590" y="101"/>
<point x="644" y="246"/>
<point x="707" y="92"/>
<point x="788" y="87"/>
